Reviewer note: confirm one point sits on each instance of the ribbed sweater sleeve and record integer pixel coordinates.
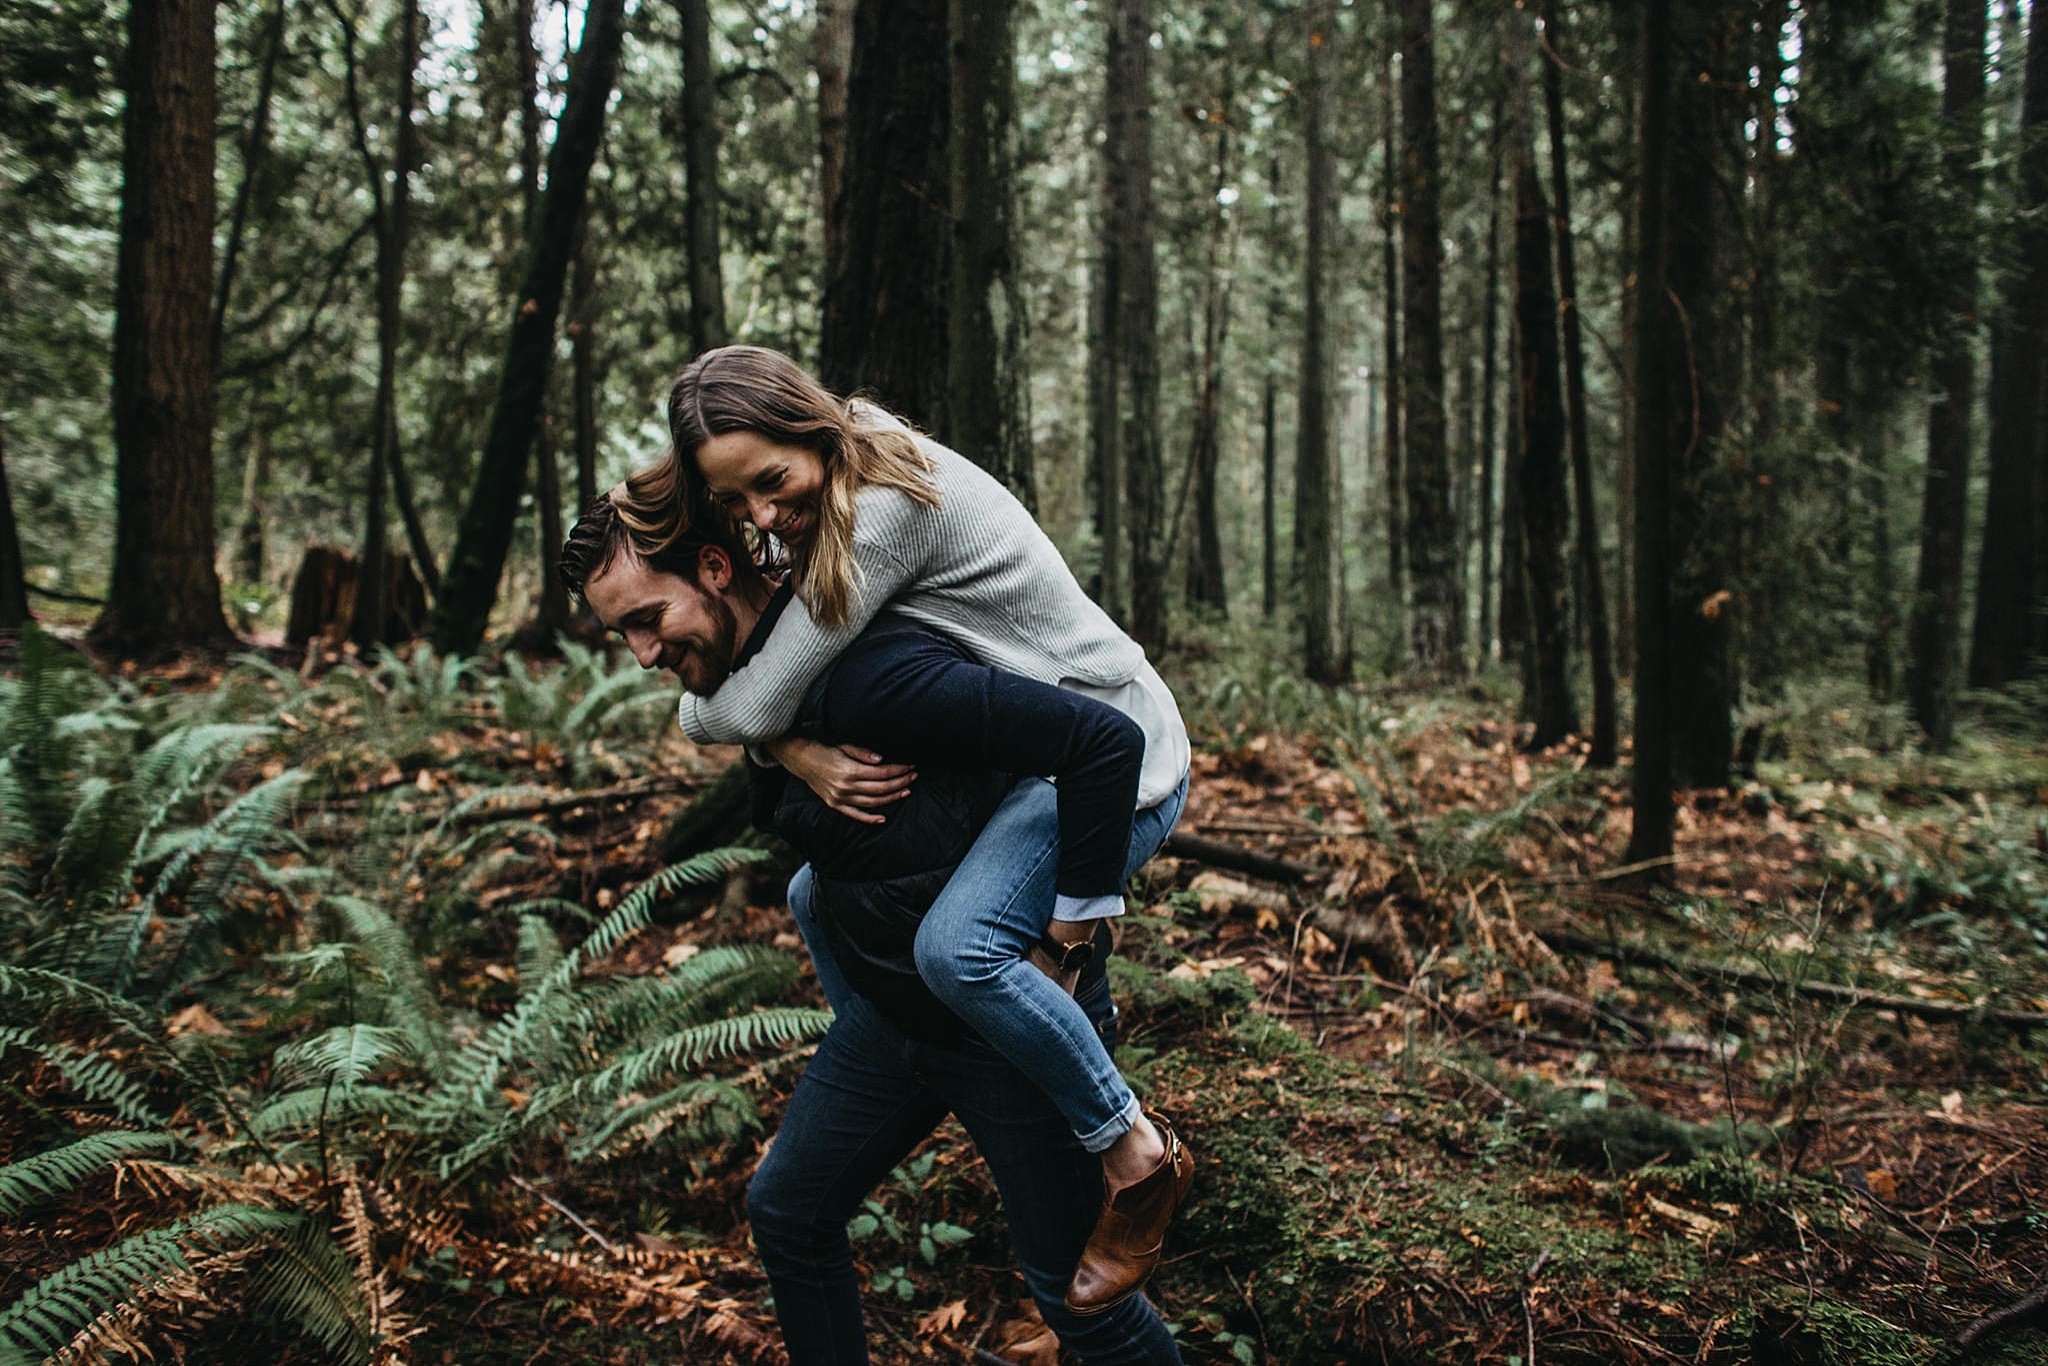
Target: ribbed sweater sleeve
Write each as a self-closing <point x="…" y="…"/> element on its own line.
<point x="757" y="703"/>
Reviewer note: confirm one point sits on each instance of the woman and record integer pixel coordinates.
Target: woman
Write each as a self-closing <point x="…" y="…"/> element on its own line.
<point x="871" y="513"/>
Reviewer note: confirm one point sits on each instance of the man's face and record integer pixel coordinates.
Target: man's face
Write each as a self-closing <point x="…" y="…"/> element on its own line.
<point x="668" y="622"/>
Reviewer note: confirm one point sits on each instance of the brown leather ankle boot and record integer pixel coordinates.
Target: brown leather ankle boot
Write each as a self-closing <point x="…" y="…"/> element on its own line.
<point x="1124" y="1249"/>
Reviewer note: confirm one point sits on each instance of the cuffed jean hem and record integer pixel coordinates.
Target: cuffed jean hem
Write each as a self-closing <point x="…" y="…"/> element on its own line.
<point x="1103" y="1139"/>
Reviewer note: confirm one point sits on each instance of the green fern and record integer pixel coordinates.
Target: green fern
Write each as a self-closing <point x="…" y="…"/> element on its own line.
<point x="698" y="1110"/>
<point x="305" y="1279"/>
<point x="308" y="1109"/>
<point x="50" y="1174"/>
<point x="68" y="1300"/>
<point x="89" y="1074"/>
<point x="540" y="952"/>
<point x="691" y="1049"/>
<point x="410" y="1004"/>
<point x="473" y="1074"/>
<point x="343" y="1056"/>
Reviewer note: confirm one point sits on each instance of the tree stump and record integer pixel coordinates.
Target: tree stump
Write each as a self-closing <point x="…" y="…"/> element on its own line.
<point x="324" y="599"/>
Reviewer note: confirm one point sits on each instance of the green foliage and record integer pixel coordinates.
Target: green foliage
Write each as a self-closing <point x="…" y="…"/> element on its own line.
<point x="68" y="1301"/>
<point x="50" y="1174"/>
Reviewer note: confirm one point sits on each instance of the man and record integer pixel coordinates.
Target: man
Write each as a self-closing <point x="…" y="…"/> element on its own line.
<point x="895" y="1060"/>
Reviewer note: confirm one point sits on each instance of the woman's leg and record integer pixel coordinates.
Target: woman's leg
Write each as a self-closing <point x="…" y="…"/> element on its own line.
<point x="971" y="951"/>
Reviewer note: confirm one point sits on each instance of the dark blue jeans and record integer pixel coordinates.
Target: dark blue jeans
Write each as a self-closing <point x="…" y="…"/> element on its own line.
<point x="869" y="1097"/>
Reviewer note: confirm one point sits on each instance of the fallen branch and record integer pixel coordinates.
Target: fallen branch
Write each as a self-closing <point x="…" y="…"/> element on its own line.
<point x="1953" y="1011"/>
<point x="2017" y="1312"/>
<point x="1218" y="854"/>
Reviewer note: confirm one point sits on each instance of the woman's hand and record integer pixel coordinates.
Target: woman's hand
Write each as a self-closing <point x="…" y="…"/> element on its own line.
<point x="851" y="780"/>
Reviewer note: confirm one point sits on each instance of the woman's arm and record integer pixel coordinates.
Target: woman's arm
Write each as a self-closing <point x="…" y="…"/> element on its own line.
<point x="914" y="697"/>
<point x="758" y="702"/>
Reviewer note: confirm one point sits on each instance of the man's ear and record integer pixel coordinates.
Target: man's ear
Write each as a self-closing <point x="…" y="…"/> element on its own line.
<point x="714" y="568"/>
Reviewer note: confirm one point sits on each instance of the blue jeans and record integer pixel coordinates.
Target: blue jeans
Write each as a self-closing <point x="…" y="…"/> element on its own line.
<point x="971" y="952"/>
<point x="867" y="1098"/>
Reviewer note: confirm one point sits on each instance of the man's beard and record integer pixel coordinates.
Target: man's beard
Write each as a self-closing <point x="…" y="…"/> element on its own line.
<point x="709" y="664"/>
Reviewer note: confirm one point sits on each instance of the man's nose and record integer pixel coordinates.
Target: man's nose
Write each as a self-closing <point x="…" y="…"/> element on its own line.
<point x="644" y="647"/>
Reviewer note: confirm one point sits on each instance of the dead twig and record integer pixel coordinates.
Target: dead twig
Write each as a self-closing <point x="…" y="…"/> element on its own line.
<point x="2019" y="1311"/>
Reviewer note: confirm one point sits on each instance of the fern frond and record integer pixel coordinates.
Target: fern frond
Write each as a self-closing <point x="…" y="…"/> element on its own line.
<point x="89" y="1074"/>
<point x="252" y="822"/>
<point x="300" y="1111"/>
<point x="343" y="1056"/>
<point x="540" y="952"/>
<point x="717" y="982"/>
<point x="52" y="1173"/>
<point x="64" y="1302"/>
<point x="37" y="993"/>
<point x="698" y="1109"/>
<point x="305" y="1279"/>
<point x="412" y="1002"/>
<point x="691" y="1049"/>
<point x="473" y="1074"/>
<point x="623" y="688"/>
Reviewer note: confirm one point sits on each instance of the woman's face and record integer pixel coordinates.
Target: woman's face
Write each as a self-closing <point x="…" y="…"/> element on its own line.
<point x="776" y="487"/>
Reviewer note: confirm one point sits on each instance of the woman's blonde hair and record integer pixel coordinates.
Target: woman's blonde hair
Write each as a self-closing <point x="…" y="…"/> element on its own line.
<point x="754" y="389"/>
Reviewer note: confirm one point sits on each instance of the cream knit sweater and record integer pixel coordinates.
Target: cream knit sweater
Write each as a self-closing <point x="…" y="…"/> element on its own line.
<point x="976" y="568"/>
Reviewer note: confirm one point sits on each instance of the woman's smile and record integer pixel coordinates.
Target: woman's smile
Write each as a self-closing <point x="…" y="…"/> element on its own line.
<point x="774" y="486"/>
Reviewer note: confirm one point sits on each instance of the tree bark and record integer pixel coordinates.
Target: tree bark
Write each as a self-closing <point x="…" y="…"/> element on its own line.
<point x="1662" y="416"/>
<point x="463" y="609"/>
<point x="1390" y="338"/>
<point x="1540" y="453"/>
<point x="700" y="180"/>
<point x="373" y="610"/>
<point x="255" y="149"/>
<point x="885" y="314"/>
<point x="1700" y="604"/>
<point x="1105" y="437"/>
<point x="981" y="409"/>
<point x="1206" y="585"/>
<point x="165" y="593"/>
<point x="2008" y="589"/>
<point x="1269" y="442"/>
<point x="1319" y="486"/>
<point x="1934" y="630"/>
<point x="1592" y="574"/>
<point x="1138" y="328"/>
<point x="1436" y="632"/>
<point x="1489" y="386"/>
<point x="835" y="61"/>
<point x="13" y="574"/>
<point x="583" y="365"/>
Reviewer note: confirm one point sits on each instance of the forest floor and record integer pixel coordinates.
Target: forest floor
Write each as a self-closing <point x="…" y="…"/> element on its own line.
<point x="1459" y="1087"/>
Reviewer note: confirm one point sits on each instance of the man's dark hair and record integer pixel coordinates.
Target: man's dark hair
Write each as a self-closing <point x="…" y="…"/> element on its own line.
<point x="601" y="535"/>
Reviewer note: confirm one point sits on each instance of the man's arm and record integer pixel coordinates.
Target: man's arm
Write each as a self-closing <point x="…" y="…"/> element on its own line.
<point x="913" y="695"/>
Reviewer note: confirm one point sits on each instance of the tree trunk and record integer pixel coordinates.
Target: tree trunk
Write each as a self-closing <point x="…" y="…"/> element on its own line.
<point x="1105" y="449"/>
<point x="1936" y="623"/>
<point x="583" y="366"/>
<point x="1700" y="606"/>
<point x="1436" y="635"/>
<point x="249" y="529"/>
<point x="981" y="409"/>
<point x="551" y="612"/>
<point x="464" y="607"/>
<point x="1319" y="488"/>
<point x="1663" y="416"/>
<point x="373" y="611"/>
<point x="13" y="574"/>
<point x="1205" y="566"/>
<point x="885" y="314"/>
<point x="1489" y="385"/>
<point x="2008" y="591"/>
<point x="164" y="592"/>
<point x="1390" y="337"/>
<point x="1540" y="453"/>
<point x="700" y="180"/>
<point x="835" y="60"/>
<point x="1591" y="571"/>
<point x="255" y="150"/>
<point x="1138" y="328"/>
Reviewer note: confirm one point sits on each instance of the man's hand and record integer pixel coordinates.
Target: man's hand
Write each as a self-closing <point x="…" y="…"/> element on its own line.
<point x="851" y="780"/>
